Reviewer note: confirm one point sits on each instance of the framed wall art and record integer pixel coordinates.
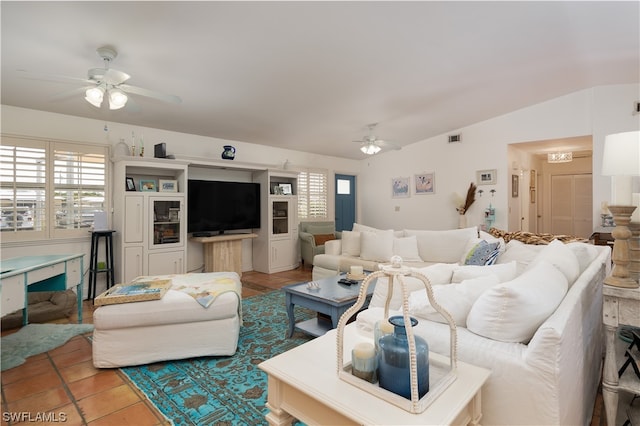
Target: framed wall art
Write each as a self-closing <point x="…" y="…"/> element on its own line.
<point x="400" y="187"/>
<point x="515" y="186"/>
<point x="425" y="183"/>
<point x="168" y="185"/>
<point x="487" y="177"/>
<point x="147" y="185"/>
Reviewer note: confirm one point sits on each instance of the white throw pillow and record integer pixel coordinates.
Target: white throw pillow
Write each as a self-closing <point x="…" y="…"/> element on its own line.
<point x="350" y="243"/>
<point x="522" y="253"/>
<point x="505" y="272"/>
<point x="561" y="257"/>
<point x="513" y="311"/>
<point x="437" y="274"/>
<point x="406" y="248"/>
<point x="585" y="253"/>
<point x="442" y="246"/>
<point x="457" y="299"/>
<point x="376" y="246"/>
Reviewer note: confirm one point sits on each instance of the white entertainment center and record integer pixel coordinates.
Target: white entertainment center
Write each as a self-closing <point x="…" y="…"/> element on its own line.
<point x="150" y="220"/>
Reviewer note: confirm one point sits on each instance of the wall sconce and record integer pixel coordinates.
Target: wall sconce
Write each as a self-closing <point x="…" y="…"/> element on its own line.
<point x="480" y="191"/>
<point x="493" y="192"/>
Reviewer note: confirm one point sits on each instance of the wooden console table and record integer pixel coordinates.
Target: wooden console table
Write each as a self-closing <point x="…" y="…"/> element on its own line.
<point x="621" y="307"/>
<point x="56" y="272"/>
<point x="223" y="253"/>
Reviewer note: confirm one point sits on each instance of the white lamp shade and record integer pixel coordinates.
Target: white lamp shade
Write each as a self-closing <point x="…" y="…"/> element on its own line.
<point x="94" y="96"/>
<point x="621" y="154"/>
<point x="117" y="99"/>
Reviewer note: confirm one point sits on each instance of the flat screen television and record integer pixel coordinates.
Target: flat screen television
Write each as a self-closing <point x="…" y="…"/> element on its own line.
<point x="215" y="207"/>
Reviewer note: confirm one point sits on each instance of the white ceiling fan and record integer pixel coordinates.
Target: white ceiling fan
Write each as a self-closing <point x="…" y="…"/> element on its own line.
<point x="371" y="145"/>
<point x="106" y="81"/>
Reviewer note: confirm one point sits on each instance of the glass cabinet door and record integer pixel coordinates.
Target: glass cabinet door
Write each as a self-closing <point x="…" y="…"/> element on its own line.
<point x="167" y="222"/>
<point x="280" y="218"/>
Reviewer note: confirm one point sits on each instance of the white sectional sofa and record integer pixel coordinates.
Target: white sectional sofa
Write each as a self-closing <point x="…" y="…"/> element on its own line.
<point x="534" y="318"/>
<point x="367" y="247"/>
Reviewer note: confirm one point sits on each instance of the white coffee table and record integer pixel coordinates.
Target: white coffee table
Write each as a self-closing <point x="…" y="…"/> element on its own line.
<point x="303" y="384"/>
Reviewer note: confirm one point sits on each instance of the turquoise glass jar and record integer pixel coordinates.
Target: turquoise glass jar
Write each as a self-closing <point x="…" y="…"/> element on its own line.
<point x="393" y="366"/>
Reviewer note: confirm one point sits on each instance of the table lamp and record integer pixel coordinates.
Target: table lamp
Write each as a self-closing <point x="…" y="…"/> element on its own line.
<point x="621" y="160"/>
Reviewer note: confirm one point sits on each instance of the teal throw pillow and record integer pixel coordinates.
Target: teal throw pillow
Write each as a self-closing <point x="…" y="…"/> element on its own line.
<point x="483" y="253"/>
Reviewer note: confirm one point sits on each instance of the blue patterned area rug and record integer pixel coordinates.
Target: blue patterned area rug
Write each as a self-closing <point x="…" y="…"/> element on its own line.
<point x="224" y="390"/>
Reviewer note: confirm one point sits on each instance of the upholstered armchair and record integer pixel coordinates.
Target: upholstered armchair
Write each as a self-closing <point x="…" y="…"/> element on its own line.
<point x="313" y="235"/>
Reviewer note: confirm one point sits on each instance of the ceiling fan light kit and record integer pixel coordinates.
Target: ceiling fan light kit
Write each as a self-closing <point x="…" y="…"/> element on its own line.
<point x="370" y="148"/>
<point x="94" y="96"/>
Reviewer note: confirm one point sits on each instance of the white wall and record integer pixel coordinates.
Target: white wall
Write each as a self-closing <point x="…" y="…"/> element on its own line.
<point x="597" y="111"/>
<point x="39" y="124"/>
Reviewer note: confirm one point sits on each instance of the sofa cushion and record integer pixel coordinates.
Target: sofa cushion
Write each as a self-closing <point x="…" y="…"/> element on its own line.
<point x="351" y="243"/>
<point x="483" y="253"/>
<point x="406" y="248"/>
<point x="320" y="239"/>
<point x="364" y="228"/>
<point x="377" y="246"/>
<point x="442" y="246"/>
<point x="585" y="253"/>
<point x="513" y="311"/>
<point x="457" y="299"/>
<point x="521" y="253"/>
<point x="437" y="274"/>
<point x="561" y="257"/>
<point x="505" y="272"/>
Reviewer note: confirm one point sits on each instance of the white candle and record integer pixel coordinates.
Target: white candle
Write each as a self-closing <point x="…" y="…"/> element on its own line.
<point x="357" y="270"/>
<point x="605" y="208"/>
<point x="363" y="350"/>
<point x="386" y="327"/>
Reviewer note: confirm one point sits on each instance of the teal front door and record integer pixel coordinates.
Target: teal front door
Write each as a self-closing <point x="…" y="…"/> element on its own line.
<point x="345" y="202"/>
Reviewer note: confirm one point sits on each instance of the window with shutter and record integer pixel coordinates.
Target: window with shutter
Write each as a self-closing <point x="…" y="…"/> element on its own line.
<point x="50" y="189"/>
<point x="312" y="194"/>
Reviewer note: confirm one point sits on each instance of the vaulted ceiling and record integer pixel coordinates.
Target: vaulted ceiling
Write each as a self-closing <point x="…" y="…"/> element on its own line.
<point x="311" y="76"/>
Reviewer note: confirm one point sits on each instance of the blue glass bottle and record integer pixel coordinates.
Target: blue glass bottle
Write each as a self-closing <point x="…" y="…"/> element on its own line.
<point x="393" y="366"/>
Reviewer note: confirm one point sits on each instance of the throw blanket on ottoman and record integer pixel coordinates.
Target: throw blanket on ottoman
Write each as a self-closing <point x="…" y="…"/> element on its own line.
<point x="174" y="327"/>
<point x="203" y="287"/>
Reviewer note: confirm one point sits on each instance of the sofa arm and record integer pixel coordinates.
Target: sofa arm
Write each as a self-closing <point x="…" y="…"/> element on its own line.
<point x="307" y="238"/>
<point x="333" y="247"/>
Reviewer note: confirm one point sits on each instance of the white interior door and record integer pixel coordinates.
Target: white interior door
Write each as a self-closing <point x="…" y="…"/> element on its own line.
<point x="571" y="205"/>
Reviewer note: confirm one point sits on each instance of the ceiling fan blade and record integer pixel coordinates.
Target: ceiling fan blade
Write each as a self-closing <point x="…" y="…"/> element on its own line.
<point x="388" y="144"/>
<point x="115" y="77"/>
<point x="150" y="93"/>
<point x="53" y="77"/>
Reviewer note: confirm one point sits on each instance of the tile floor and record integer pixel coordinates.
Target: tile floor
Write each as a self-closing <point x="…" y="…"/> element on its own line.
<point x="64" y="385"/>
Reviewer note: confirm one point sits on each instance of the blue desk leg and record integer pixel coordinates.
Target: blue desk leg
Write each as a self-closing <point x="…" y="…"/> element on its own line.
<point x="291" y="315"/>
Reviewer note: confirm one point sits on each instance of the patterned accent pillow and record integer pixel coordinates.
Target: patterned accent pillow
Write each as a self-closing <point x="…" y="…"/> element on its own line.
<point x="483" y="253"/>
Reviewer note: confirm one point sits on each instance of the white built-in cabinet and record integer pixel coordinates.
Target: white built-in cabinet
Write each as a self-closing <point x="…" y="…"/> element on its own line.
<point x="150" y="237"/>
<point x="275" y="248"/>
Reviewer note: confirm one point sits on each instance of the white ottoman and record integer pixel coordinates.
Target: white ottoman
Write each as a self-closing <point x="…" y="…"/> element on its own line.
<point x="174" y="327"/>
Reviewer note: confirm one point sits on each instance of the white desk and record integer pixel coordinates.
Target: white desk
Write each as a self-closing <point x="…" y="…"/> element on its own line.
<point x="20" y="275"/>
<point x="304" y="384"/>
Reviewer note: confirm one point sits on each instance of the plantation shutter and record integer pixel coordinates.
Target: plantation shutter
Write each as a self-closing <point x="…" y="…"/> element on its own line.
<point x="78" y="184"/>
<point x="312" y="194"/>
<point x="22" y="186"/>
